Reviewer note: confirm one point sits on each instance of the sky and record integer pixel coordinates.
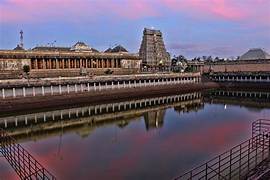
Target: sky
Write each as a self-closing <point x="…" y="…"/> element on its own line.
<point x="191" y="28"/>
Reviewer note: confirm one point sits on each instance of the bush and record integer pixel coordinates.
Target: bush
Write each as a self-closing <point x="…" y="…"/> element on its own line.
<point x="26" y="69"/>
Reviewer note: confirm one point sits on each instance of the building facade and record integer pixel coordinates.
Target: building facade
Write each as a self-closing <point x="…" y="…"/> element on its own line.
<point x="55" y="62"/>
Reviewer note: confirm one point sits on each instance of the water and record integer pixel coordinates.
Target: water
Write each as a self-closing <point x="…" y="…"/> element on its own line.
<point x="152" y="141"/>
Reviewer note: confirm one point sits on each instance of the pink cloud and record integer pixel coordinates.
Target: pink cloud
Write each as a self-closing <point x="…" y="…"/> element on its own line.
<point x="78" y="10"/>
<point x="252" y="11"/>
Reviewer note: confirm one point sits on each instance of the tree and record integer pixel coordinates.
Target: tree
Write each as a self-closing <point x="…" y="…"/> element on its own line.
<point x="26" y="69"/>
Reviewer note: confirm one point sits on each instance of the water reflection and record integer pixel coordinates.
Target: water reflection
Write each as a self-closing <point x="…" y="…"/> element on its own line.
<point x="154" y="138"/>
<point x="85" y="119"/>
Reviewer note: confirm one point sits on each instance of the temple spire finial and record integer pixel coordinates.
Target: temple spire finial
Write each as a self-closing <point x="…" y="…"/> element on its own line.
<point x="21" y="39"/>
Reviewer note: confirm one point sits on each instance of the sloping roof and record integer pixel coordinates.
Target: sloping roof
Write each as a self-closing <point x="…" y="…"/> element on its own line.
<point x="118" y="48"/>
<point x="94" y="50"/>
<point x="255" y="54"/>
<point x="108" y="50"/>
<point x="18" y="48"/>
<point x="47" y="48"/>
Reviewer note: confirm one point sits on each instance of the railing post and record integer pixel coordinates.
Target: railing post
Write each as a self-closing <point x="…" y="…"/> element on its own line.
<point x="219" y="167"/>
<point x="249" y="153"/>
<point x="43" y="91"/>
<point x="82" y="88"/>
<point x="3" y="93"/>
<point x="34" y="91"/>
<point x="68" y="88"/>
<point x="51" y="90"/>
<point x="240" y="161"/>
<point x="230" y="164"/>
<point x="88" y="87"/>
<point x="14" y="92"/>
<point x="60" y="89"/>
<point x="24" y="92"/>
<point x="76" y="89"/>
<point x="206" y="172"/>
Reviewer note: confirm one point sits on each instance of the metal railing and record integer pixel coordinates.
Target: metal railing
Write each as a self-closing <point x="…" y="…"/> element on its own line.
<point x="261" y="126"/>
<point x="239" y="160"/>
<point x="25" y="165"/>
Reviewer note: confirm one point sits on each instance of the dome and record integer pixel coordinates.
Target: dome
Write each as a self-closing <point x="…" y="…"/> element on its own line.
<point x="255" y="54"/>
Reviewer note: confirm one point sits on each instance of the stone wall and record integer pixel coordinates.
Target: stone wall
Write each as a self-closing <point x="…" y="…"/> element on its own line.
<point x="258" y="66"/>
<point x="77" y="72"/>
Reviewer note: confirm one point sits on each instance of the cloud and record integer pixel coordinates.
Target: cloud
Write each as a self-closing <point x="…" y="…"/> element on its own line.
<point x="249" y="11"/>
<point x="222" y="9"/>
<point x="202" y="49"/>
<point x="70" y="10"/>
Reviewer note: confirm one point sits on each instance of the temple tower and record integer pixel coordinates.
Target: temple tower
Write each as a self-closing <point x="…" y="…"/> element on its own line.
<point x="152" y="50"/>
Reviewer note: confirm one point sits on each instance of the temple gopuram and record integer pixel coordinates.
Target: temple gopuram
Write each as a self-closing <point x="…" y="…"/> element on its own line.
<point x="80" y="59"/>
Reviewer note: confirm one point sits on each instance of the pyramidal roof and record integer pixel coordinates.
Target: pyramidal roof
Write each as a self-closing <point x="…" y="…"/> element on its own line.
<point x="118" y="48"/>
<point x="255" y="54"/>
<point x="108" y="50"/>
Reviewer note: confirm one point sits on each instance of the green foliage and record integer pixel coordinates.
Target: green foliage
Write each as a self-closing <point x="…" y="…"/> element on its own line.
<point x="190" y="69"/>
<point x="26" y="69"/>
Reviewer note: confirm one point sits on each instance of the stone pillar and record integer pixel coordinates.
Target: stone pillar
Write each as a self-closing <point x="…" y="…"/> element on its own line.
<point x="80" y="66"/>
<point x="101" y="63"/>
<point x="68" y="63"/>
<point x="87" y="63"/>
<point x="112" y="62"/>
<point x="107" y="63"/>
<point x="117" y="63"/>
<point x="43" y="64"/>
<point x="75" y="63"/>
<point x="57" y="63"/>
<point x="36" y="63"/>
<point x="90" y="63"/>
<point x="97" y="63"/>
<point x="49" y="63"/>
<point x="63" y="63"/>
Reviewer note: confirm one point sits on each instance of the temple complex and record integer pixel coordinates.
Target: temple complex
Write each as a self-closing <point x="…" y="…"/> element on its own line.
<point x="80" y="59"/>
<point x="255" y="60"/>
<point x="152" y="51"/>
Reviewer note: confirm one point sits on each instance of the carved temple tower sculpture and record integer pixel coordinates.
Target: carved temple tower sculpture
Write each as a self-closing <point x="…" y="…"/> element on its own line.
<point x="152" y="51"/>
